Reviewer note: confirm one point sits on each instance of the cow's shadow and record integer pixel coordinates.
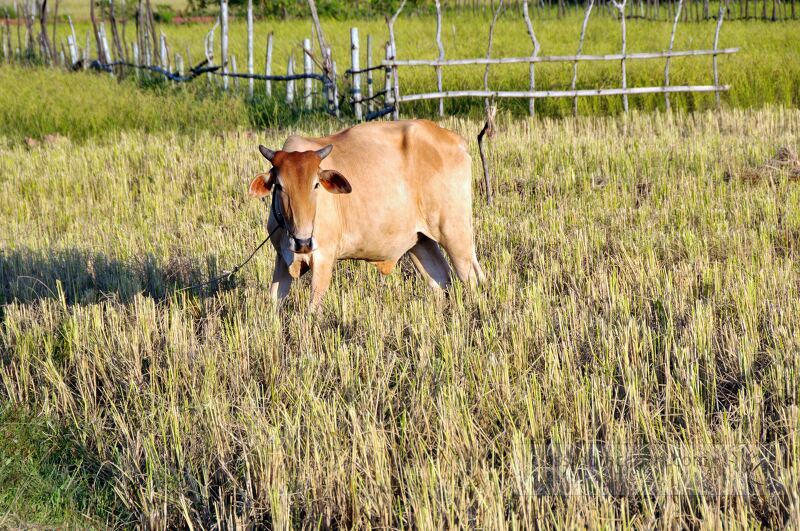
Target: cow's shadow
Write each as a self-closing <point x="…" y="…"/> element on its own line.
<point x="85" y="277"/>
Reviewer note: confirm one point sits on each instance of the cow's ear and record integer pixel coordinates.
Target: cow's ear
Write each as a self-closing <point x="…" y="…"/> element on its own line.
<point x="334" y="182"/>
<point x="261" y="185"/>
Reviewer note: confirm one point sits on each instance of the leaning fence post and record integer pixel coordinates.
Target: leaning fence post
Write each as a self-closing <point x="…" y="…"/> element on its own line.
<point x="250" y="68"/>
<point x="588" y="12"/>
<point x="370" y="91"/>
<point x="671" y="44"/>
<point x="534" y="53"/>
<point x="307" y="87"/>
<point x="621" y="8"/>
<point x="395" y="74"/>
<point x="223" y="16"/>
<point x="489" y="52"/>
<point x="354" y="68"/>
<point x="716" y="43"/>
<point x="290" y="83"/>
<point x="268" y="66"/>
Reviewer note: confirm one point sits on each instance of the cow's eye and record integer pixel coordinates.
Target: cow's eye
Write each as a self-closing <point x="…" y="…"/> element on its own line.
<point x="316" y="186"/>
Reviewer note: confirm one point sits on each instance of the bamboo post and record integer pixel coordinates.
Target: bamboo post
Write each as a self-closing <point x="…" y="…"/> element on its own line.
<point x="290" y="83"/>
<point x="268" y="66"/>
<point x="87" y="50"/>
<point x="179" y="64"/>
<point x="589" y="6"/>
<point x="489" y="51"/>
<point x="104" y="40"/>
<point x="136" y="58"/>
<point x="720" y="18"/>
<point x="354" y="67"/>
<point x="250" y="65"/>
<point x="370" y="90"/>
<point x="164" y="53"/>
<point x="440" y="46"/>
<point x="395" y="74"/>
<point x="334" y="85"/>
<point x="388" y="92"/>
<point x="621" y="8"/>
<point x="671" y="44"/>
<point x="223" y="16"/>
<point x="531" y="71"/>
<point x="234" y="72"/>
<point x="95" y="30"/>
<point x="307" y="99"/>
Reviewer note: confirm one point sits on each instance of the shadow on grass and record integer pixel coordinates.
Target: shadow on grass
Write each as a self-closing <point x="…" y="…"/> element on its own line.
<point x="85" y="277"/>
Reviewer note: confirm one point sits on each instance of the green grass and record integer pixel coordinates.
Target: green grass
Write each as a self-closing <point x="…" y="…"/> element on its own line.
<point x="641" y="317"/>
<point x="46" y="476"/>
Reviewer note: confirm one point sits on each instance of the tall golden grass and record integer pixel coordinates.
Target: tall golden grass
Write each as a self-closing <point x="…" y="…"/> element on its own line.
<point x="632" y="361"/>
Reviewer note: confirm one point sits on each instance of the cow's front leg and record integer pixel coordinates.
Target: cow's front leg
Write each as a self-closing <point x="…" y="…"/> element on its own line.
<point x="281" y="280"/>
<point x="321" y="272"/>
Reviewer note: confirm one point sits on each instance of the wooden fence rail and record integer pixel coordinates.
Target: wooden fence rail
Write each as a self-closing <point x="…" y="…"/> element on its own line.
<point x="393" y="65"/>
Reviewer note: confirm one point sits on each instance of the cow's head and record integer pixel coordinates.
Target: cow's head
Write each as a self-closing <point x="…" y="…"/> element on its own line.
<point x="296" y="180"/>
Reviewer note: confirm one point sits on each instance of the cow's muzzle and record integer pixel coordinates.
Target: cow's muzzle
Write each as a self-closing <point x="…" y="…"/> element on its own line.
<point x="303" y="245"/>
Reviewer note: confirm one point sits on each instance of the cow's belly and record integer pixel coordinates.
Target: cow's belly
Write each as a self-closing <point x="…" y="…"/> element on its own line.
<point x="379" y="245"/>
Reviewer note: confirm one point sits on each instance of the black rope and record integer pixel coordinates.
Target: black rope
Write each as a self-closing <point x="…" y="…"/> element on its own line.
<point x="281" y="224"/>
<point x="377" y="114"/>
<point x="363" y="70"/>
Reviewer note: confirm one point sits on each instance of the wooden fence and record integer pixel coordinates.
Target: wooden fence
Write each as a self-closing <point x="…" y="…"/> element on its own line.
<point x="374" y="88"/>
<point x="393" y="97"/>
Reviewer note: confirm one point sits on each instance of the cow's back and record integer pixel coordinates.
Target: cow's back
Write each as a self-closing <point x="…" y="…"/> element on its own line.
<point x="419" y="153"/>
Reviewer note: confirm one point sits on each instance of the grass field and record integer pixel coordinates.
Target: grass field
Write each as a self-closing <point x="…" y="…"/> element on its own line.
<point x="765" y="71"/>
<point x="633" y="360"/>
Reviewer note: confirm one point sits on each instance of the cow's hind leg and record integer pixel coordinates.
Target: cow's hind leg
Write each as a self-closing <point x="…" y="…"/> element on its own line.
<point x="281" y="280"/>
<point x="430" y="262"/>
<point x="461" y="250"/>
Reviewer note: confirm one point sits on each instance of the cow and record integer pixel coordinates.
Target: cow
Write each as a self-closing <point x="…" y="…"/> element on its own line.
<point x="372" y="192"/>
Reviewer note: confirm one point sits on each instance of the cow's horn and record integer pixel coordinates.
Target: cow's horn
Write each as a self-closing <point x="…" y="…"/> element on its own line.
<point x="268" y="153"/>
<point x="324" y="152"/>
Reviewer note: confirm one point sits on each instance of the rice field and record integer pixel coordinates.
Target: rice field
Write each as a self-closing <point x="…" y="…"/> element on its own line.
<point x="632" y="361"/>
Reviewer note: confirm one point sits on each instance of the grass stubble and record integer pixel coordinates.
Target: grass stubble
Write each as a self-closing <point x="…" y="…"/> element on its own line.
<point x="632" y="361"/>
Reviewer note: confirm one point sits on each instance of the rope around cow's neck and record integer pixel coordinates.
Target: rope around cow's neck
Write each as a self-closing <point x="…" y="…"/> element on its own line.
<point x="228" y="274"/>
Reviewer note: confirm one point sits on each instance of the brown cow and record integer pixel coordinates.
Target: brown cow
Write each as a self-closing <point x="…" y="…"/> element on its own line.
<point x="371" y="192"/>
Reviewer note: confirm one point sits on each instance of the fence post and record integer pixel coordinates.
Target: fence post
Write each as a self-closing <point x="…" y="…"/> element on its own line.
<point x="307" y="100"/>
<point x="589" y="6"/>
<point x="290" y="83"/>
<point x="164" y="54"/>
<point x="87" y="51"/>
<point x="720" y="18"/>
<point x="671" y="44"/>
<point x="335" y="86"/>
<point x="250" y="67"/>
<point x="441" y="54"/>
<point x="223" y="17"/>
<point x="268" y="65"/>
<point x="136" y="58"/>
<point x="370" y="90"/>
<point x="620" y="6"/>
<point x="388" y="92"/>
<point x="234" y="72"/>
<point x="535" y="52"/>
<point x="355" y="67"/>
<point x="179" y="64"/>
<point x="395" y="74"/>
